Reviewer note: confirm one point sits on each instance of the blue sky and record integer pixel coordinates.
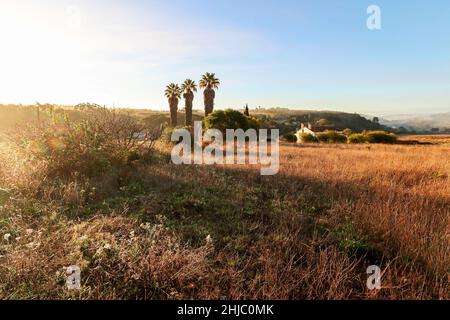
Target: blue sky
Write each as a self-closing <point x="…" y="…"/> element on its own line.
<point x="297" y="54"/>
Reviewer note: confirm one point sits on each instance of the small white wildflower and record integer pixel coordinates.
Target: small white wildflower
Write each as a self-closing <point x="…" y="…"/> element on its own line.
<point x="7" y="236"/>
<point x="209" y="239"/>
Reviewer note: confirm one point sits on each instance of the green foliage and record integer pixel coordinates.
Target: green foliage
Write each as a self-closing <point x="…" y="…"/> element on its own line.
<point x="357" y="138"/>
<point x="307" y="137"/>
<point x="331" y="137"/>
<point x="189" y="85"/>
<point x="209" y="80"/>
<point x="380" y="137"/>
<point x="365" y="137"/>
<point x="372" y="137"/>
<point x="290" y="137"/>
<point x="230" y="119"/>
<point x="173" y="91"/>
<point x="349" y="239"/>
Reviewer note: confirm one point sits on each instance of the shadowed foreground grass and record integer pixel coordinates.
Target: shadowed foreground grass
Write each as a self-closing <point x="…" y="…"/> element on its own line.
<point x="160" y="231"/>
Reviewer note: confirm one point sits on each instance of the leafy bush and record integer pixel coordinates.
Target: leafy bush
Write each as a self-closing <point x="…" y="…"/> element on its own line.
<point x="331" y="137"/>
<point x="229" y="119"/>
<point x="380" y="137"/>
<point x="307" y="137"/>
<point x="357" y="138"/>
<point x="290" y="137"/>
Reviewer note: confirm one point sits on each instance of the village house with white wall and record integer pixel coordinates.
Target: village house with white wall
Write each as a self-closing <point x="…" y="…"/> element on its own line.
<point x="312" y="129"/>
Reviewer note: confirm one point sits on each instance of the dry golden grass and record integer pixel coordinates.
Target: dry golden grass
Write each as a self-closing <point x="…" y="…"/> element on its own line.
<point x="307" y="233"/>
<point x="428" y="138"/>
<point x="398" y="195"/>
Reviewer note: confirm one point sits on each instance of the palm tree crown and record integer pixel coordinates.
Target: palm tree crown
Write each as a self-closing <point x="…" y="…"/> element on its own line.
<point x="209" y="80"/>
<point x="173" y="91"/>
<point x="189" y="85"/>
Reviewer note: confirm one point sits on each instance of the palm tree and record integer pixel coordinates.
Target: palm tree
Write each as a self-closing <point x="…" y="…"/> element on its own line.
<point x="209" y="82"/>
<point x="173" y="93"/>
<point x="188" y="87"/>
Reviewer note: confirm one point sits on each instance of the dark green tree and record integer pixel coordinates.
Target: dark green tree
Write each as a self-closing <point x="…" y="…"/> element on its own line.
<point x="246" y="111"/>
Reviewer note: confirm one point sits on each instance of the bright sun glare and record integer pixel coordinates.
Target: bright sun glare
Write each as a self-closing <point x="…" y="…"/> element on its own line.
<point x="41" y="54"/>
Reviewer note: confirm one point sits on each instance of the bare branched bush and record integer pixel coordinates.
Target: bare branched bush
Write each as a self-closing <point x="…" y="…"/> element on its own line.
<point x="60" y="148"/>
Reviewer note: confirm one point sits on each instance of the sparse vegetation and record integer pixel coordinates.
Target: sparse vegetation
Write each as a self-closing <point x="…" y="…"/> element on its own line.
<point x="307" y="138"/>
<point x="331" y="137"/>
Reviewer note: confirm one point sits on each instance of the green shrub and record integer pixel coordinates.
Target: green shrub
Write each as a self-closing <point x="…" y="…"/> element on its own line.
<point x="308" y="138"/>
<point x="380" y="137"/>
<point x="230" y="119"/>
<point x="290" y="137"/>
<point x="357" y="138"/>
<point x="331" y="137"/>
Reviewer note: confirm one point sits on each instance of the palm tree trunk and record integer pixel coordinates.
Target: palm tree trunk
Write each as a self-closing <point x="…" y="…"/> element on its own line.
<point x="209" y="96"/>
<point x="173" y="102"/>
<point x="189" y="97"/>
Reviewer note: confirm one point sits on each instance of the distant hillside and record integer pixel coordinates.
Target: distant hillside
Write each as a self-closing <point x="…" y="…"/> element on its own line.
<point x="289" y="120"/>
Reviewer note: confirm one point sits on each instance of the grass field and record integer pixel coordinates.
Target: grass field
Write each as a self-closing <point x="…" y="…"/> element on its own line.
<point x="164" y="231"/>
<point x="428" y="138"/>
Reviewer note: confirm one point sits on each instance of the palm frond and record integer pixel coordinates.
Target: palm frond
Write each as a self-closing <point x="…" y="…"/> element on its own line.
<point x="209" y="80"/>
<point x="189" y="85"/>
<point x="173" y="90"/>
